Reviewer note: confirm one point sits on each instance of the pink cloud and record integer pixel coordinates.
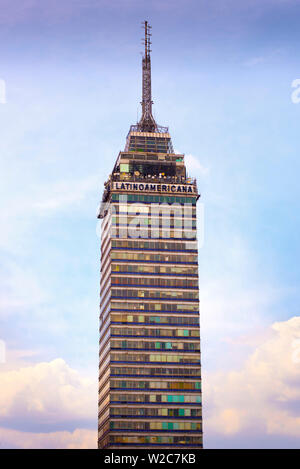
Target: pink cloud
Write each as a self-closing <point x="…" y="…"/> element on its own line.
<point x="262" y="398"/>
<point x="79" y="439"/>
<point x="47" y="397"/>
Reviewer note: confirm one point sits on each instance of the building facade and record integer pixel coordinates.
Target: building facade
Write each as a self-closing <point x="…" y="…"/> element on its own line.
<point x="149" y="369"/>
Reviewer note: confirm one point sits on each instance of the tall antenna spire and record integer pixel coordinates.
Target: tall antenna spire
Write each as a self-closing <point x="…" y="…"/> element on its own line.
<point x="147" y="122"/>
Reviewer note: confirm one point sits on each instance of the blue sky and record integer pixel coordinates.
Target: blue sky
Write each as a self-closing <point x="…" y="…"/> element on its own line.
<point x="222" y="75"/>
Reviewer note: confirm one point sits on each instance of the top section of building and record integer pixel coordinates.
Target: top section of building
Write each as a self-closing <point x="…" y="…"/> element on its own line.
<point x="148" y="161"/>
<point x="146" y="135"/>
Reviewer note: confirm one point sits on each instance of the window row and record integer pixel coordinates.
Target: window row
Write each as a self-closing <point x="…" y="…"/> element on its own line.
<point x="140" y="344"/>
<point x="154" y="211"/>
<point x="142" y="145"/>
<point x="158" y="210"/>
<point x="155" y="412"/>
<point x="154" y="198"/>
<point x="140" y="232"/>
<point x="155" y="282"/>
<point x="152" y="440"/>
<point x="154" y="358"/>
<point x="176" y="295"/>
<point x="156" y="398"/>
<point x="130" y="384"/>
<point x="155" y="371"/>
<point x="142" y="256"/>
<point x="155" y="269"/>
<point x="128" y="318"/>
<point x="154" y="245"/>
<point x="156" y="222"/>
<point x="184" y="426"/>
<point x="151" y="157"/>
<point x="180" y="307"/>
<point x="145" y="332"/>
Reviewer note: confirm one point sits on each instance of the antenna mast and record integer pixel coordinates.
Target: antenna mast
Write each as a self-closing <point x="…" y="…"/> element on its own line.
<point x="147" y="122"/>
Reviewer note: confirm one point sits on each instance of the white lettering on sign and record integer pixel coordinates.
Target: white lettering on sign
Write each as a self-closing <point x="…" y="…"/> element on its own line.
<point x="148" y="187"/>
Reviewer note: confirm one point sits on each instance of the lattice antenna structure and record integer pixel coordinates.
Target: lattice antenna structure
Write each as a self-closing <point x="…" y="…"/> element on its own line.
<point x="147" y="122"/>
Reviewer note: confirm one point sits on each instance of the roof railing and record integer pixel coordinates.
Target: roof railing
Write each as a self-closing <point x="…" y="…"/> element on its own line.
<point x="159" y="129"/>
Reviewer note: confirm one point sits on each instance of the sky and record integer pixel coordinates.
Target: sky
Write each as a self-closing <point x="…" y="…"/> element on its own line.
<point x="70" y="87"/>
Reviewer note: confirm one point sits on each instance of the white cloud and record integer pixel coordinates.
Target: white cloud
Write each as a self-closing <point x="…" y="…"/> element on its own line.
<point x="193" y="164"/>
<point x="49" y="396"/>
<point x="261" y="399"/>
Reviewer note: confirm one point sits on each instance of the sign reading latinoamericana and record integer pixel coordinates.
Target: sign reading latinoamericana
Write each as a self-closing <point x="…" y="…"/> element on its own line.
<point x="148" y="187"/>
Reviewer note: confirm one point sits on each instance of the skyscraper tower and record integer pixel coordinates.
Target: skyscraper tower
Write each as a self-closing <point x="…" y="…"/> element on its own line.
<point x="149" y="370"/>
